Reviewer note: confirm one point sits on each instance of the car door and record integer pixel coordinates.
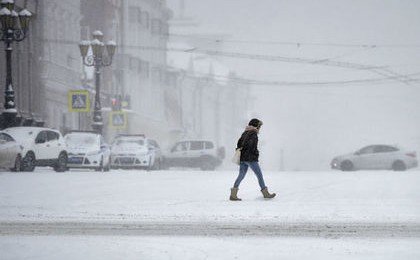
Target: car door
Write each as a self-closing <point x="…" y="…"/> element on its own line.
<point x="196" y="151"/>
<point x="386" y="155"/>
<point x="364" y="158"/>
<point x="53" y="144"/>
<point x="178" y="154"/>
<point x="42" y="147"/>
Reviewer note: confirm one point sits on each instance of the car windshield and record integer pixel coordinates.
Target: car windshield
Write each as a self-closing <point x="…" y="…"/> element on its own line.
<point x="5" y="137"/>
<point x="129" y="142"/>
<point x="82" y="140"/>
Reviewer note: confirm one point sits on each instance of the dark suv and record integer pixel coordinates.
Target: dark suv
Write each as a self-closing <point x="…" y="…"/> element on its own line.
<point x="195" y="154"/>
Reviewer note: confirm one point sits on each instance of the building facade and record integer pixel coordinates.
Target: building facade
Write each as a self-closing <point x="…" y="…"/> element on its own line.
<point x="60" y="63"/>
<point x="46" y="64"/>
<point x="143" y="68"/>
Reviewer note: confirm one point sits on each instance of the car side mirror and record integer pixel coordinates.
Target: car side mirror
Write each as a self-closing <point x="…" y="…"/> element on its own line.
<point x="2" y="141"/>
<point x="357" y="153"/>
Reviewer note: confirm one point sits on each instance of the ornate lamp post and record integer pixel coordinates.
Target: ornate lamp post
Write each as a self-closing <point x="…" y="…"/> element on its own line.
<point x="14" y="28"/>
<point x="101" y="56"/>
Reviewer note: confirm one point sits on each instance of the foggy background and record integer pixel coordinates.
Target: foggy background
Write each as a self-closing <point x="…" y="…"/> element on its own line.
<point x="348" y="74"/>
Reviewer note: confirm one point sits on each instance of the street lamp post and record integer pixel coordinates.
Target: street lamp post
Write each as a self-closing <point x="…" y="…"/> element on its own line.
<point x="14" y="28"/>
<point x="97" y="58"/>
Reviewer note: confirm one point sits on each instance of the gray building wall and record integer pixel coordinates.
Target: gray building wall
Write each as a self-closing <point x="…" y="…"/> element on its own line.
<point x="61" y="62"/>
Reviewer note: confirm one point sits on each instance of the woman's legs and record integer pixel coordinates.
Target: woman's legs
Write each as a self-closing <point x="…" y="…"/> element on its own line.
<point x="257" y="170"/>
<point x="243" y="168"/>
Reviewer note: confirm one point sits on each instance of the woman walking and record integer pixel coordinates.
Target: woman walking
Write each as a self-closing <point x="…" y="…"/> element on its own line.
<point x="249" y="158"/>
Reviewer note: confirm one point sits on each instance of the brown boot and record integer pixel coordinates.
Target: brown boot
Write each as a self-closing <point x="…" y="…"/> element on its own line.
<point x="234" y="194"/>
<point x="266" y="194"/>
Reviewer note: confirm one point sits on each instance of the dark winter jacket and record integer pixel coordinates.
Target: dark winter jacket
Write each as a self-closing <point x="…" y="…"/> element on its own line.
<point x="249" y="143"/>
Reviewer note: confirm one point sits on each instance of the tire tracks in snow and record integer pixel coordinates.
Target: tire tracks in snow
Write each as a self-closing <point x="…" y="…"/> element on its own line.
<point x="302" y="229"/>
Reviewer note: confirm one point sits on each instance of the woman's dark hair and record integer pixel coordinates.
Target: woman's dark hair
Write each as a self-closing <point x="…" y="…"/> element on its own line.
<point x="255" y="122"/>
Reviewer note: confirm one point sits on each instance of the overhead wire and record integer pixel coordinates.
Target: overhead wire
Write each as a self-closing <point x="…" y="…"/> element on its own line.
<point x="380" y="70"/>
<point x="300" y="44"/>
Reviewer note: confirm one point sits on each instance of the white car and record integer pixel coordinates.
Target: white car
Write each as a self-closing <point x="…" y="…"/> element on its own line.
<point x="10" y="153"/>
<point x="376" y="157"/>
<point x="135" y="151"/>
<point x="87" y="150"/>
<point x="40" y="147"/>
<point x="201" y="154"/>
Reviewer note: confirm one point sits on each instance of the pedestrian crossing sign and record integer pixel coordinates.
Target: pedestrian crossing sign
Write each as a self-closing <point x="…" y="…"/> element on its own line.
<point x="118" y="119"/>
<point x="78" y="101"/>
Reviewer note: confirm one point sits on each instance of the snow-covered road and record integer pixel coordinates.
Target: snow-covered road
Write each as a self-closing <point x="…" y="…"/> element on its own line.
<point x="325" y="230"/>
<point x="196" y="196"/>
<point x="187" y="215"/>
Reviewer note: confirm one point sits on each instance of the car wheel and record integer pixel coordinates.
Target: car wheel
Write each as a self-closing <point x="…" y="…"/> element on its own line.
<point x="347" y="166"/>
<point x="29" y="162"/>
<point x="18" y="164"/>
<point x="61" y="164"/>
<point x="399" y="166"/>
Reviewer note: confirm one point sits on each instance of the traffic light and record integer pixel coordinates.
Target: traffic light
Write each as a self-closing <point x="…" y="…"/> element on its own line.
<point x="115" y="104"/>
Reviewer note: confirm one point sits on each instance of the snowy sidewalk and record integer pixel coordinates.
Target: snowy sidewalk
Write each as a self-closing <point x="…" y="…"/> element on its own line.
<point x="196" y="196"/>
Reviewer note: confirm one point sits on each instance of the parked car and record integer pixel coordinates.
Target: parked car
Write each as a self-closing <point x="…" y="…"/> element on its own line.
<point x="87" y="150"/>
<point x="10" y="153"/>
<point x="376" y="157"/>
<point x="40" y="147"/>
<point x="201" y="154"/>
<point x="136" y="151"/>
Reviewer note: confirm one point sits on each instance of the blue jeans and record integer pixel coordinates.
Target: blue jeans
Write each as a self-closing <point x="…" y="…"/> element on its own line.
<point x="243" y="168"/>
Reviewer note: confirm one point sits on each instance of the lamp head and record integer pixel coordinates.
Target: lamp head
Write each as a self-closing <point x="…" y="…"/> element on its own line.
<point x="24" y="17"/>
<point x="98" y="48"/>
<point x="110" y="48"/>
<point x="84" y="48"/>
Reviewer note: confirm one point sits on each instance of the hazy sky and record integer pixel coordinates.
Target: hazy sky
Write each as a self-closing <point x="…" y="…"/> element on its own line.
<point x="311" y="123"/>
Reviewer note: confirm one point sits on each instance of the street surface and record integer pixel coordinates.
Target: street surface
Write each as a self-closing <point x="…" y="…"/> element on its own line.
<point x="331" y="214"/>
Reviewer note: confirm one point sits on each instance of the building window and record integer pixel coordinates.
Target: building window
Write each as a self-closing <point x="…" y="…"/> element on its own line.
<point x="133" y="63"/>
<point x="132" y="14"/>
<point x="156" y="27"/>
<point x="146" y="19"/>
<point x="145" y="68"/>
<point x="139" y="16"/>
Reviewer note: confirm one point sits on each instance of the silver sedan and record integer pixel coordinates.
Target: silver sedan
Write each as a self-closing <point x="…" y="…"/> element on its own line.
<point x="376" y="157"/>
